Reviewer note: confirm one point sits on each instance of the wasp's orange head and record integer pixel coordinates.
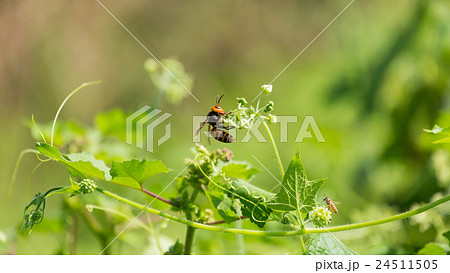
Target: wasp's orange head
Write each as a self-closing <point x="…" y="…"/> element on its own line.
<point x="217" y="109"/>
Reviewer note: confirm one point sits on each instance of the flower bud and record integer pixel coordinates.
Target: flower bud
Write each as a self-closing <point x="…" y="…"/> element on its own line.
<point x="268" y="107"/>
<point x="321" y="216"/>
<point x="271" y="119"/>
<point x="267" y="89"/>
<point x="241" y="101"/>
<point x="86" y="186"/>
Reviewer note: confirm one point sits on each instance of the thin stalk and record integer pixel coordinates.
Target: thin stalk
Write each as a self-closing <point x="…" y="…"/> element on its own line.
<point x="16" y="169"/>
<point x="64" y="102"/>
<point x="381" y="221"/>
<point x="190" y="230"/>
<point x="223" y="221"/>
<point x="274" y="146"/>
<point x="194" y="224"/>
<point x="159" y="197"/>
<point x="275" y="233"/>
<point x="240" y="244"/>
<point x="302" y="225"/>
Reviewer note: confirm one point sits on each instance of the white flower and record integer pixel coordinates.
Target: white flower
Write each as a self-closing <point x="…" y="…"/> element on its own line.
<point x="267" y="89"/>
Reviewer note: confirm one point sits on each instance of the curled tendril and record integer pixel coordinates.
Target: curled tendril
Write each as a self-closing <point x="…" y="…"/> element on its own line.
<point x="35" y="210"/>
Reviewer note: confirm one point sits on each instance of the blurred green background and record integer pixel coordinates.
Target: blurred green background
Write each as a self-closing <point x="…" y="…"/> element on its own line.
<point x="372" y="81"/>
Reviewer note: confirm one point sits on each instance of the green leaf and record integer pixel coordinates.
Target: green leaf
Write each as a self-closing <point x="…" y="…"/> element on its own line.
<point x="431" y="249"/>
<point x="74" y="189"/>
<point x="81" y="169"/>
<point x="134" y="173"/>
<point x="297" y="192"/>
<point x="49" y="151"/>
<point x="224" y="205"/>
<point x="253" y="199"/>
<point x="327" y="244"/>
<point x="176" y="249"/>
<point x="447" y="235"/>
<point x="442" y="140"/>
<point x="240" y="171"/>
<point x="248" y="200"/>
<point x="88" y="157"/>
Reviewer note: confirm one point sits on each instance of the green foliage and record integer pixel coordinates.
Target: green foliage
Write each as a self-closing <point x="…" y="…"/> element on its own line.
<point x="443" y="134"/>
<point x="245" y="116"/>
<point x="236" y="197"/>
<point x="229" y="209"/>
<point x="165" y="83"/>
<point x="296" y="191"/>
<point x="241" y="171"/>
<point x="81" y="169"/>
<point x="112" y="122"/>
<point x="134" y="173"/>
<point x="320" y="216"/>
<point x="431" y="249"/>
<point x="447" y="236"/>
<point x="327" y="244"/>
<point x="176" y="249"/>
<point x="34" y="211"/>
<point x="87" y="158"/>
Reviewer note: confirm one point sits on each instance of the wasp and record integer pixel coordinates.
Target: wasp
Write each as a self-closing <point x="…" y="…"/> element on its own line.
<point x="215" y="123"/>
<point x="330" y="204"/>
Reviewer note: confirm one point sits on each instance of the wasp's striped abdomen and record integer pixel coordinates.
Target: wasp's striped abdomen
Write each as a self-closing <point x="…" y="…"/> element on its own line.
<point x="222" y="136"/>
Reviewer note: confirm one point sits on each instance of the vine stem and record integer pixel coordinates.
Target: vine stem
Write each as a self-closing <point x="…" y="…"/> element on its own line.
<point x="159" y="197"/>
<point x="190" y="230"/>
<point x="381" y="221"/>
<point x="16" y="169"/>
<point x="64" y="102"/>
<point x="274" y="146"/>
<point x="300" y="238"/>
<point x="280" y="166"/>
<point x="275" y="233"/>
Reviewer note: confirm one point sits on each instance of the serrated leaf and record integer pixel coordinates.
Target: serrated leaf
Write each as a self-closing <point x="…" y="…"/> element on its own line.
<point x="326" y="244"/>
<point x="431" y="249"/>
<point x="252" y="199"/>
<point x="296" y="191"/>
<point x="133" y="173"/>
<point x="240" y="171"/>
<point x="88" y="157"/>
<point x="49" y="151"/>
<point x="81" y="169"/>
<point x="224" y="205"/>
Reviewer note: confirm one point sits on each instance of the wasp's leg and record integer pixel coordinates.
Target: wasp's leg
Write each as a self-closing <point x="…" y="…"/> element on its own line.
<point x="228" y="127"/>
<point x="209" y="130"/>
<point x="200" y="127"/>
